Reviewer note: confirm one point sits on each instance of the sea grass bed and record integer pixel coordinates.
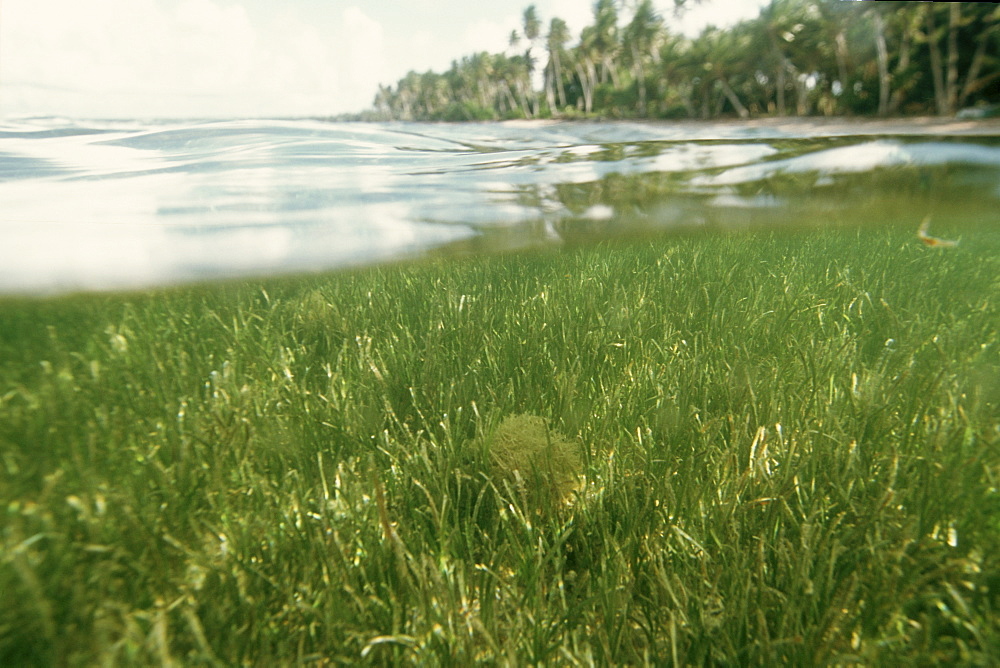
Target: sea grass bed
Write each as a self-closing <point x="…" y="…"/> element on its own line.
<point x="783" y="449"/>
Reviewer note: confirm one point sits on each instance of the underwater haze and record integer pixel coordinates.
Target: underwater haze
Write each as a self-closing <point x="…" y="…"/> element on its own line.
<point x="122" y="205"/>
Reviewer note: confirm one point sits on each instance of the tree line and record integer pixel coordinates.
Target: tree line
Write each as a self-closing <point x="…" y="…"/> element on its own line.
<point x="798" y="57"/>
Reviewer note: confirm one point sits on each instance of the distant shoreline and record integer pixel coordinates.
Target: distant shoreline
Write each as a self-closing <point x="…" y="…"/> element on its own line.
<point x="693" y="128"/>
<point x="830" y="126"/>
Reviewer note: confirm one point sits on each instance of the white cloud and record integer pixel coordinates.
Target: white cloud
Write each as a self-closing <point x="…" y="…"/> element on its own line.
<point x="216" y="43"/>
<point x="720" y="13"/>
<point x="365" y="61"/>
<point x="187" y="58"/>
<point x="490" y="36"/>
<point x="575" y="13"/>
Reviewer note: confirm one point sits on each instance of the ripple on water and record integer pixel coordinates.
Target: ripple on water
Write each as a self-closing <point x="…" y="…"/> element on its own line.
<point x="129" y="204"/>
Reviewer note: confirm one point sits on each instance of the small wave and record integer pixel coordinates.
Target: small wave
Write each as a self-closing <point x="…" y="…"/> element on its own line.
<point x="122" y="204"/>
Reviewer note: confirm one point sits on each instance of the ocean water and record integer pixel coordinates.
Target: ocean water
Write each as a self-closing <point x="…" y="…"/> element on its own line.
<point x="124" y="205"/>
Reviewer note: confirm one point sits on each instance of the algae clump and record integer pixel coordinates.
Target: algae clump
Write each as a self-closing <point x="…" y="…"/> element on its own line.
<point x="537" y="462"/>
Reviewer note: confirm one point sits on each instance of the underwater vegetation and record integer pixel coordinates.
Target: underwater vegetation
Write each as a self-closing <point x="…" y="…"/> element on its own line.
<point x="757" y="448"/>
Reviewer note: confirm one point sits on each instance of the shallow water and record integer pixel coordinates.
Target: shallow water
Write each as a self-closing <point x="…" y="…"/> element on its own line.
<point x="118" y="205"/>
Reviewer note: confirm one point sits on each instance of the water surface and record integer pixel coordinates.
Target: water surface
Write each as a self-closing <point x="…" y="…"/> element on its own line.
<point x="119" y="205"/>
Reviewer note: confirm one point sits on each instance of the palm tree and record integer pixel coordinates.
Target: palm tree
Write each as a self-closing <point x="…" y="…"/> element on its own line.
<point x="640" y="35"/>
<point x="605" y="39"/>
<point x="384" y="102"/>
<point x="555" y="42"/>
<point x="531" y="24"/>
<point x="775" y="22"/>
<point x="987" y="28"/>
<point x="829" y="56"/>
<point x="585" y="65"/>
<point x="677" y="71"/>
<point x="511" y="75"/>
<point x="959" y="27"/>
<point x="532" y="27"/>
<point x="715" y="58"/>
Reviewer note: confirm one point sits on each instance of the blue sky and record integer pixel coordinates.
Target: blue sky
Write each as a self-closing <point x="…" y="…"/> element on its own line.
<point x="197" y="58"/>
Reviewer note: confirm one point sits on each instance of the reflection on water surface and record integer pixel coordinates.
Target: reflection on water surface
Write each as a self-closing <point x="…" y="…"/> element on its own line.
<point x="113" y="205"/>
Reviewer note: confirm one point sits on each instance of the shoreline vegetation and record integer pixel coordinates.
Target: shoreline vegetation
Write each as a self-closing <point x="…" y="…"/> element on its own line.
<point x="797" y="58"/>
<point x="755" y="448"/>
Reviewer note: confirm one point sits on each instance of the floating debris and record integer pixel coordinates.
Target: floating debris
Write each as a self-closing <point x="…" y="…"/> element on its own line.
<point x="933" y="242"/>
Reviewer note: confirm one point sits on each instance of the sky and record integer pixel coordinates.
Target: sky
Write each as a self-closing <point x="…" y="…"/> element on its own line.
<point x="256" y="58"/>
